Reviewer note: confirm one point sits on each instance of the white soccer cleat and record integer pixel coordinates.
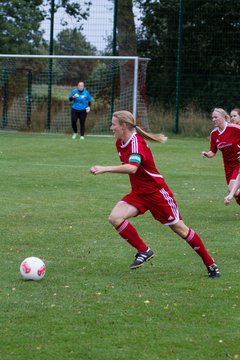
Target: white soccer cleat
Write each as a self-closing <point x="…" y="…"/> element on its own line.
<point x="74" y="136"/>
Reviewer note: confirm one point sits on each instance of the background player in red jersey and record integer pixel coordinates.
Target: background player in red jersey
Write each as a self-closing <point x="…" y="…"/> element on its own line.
<point x="226" y="138"/>
<point x="149" y="192"/>
<point x="235" y="116"/>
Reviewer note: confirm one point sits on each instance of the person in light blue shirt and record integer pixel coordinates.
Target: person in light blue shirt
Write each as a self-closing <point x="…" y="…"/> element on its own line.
<point x="80" y="108"/>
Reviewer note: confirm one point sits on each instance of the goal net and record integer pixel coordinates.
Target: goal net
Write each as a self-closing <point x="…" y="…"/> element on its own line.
<point x="35" y="91"/>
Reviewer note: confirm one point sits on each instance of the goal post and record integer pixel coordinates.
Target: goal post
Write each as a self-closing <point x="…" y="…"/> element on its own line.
<point x="35" y="89"/>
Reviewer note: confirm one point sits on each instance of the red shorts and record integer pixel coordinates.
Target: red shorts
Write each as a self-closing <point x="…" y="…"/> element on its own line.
<point x="161" y="204"/>
<point x="231" y="172"/>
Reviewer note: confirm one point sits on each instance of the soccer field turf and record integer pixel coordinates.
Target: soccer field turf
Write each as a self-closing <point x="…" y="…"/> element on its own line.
<point x="90" y="305"/>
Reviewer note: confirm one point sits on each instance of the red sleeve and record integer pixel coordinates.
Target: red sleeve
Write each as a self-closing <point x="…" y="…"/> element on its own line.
<point x="213" y="145"/>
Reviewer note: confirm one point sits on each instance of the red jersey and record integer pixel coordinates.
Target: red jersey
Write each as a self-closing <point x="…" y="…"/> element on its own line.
<point x="228" y="142"/>
<point x="136" y="152"/>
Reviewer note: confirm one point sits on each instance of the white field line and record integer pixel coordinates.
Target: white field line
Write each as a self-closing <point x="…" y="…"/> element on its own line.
<point x="42" y="164"/>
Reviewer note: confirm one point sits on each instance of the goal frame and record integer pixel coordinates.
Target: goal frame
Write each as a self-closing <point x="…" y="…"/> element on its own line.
<point x="136" y="60"/>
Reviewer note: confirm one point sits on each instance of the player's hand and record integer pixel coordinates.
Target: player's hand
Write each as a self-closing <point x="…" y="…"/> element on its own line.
<point x="88" y="109"/>
<point x="75" y="96"/>
<point x="204" y="154"/>
<point x="227" y="200"/>
<point x="97" y="169"/>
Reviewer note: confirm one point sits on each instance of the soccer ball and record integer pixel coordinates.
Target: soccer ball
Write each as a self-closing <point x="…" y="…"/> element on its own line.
<point x="32" y="268"/>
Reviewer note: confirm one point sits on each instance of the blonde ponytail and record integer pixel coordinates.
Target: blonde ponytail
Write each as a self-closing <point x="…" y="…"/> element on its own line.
<point x="160" y="138"/>
<point x="126" y="117"/>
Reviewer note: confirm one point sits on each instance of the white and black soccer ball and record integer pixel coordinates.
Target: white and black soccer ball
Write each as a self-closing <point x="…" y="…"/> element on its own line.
<point x="32" y="268"/>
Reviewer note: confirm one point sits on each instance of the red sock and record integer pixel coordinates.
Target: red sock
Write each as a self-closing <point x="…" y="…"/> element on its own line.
<point x="196" y="243"/>
<point x="127" y="232"/>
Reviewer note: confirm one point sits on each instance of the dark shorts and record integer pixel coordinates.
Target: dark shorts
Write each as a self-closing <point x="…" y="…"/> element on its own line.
<point x="78" y="114"/>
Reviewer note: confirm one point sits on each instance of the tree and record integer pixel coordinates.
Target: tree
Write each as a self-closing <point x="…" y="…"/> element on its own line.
<point x="210" y="49"/>
<point x="20" y="33"/>
<point x="72" y="8"/>
<point x="127" y="46"/>
<point x="20" y="26"/>
<point x="20" y="22"/>
<point x="72" y="42"/>
<point x="126" y="39"/>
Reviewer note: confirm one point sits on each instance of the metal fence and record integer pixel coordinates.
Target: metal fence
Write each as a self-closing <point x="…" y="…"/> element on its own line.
<point x="194" y="47"/>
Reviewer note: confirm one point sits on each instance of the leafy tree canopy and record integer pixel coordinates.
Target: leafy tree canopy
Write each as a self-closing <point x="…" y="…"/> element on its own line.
<point x="73" y="42"/>
<point x="210" y="49"/>
<point x="20" y="22"/>
<point x="20" y="26"/>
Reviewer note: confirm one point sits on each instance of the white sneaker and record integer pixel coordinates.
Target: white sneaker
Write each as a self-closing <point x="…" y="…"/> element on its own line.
<point x="81" y="137"/>
<point x="74" y="136"/>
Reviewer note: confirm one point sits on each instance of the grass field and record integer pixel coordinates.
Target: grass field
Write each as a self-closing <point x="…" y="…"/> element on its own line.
<point x="90" y="306"/>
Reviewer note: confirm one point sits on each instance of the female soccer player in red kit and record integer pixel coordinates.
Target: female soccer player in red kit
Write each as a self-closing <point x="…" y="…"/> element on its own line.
<point x="226" y="138"/>
<point x="149" y="192"/>
<point x="235" y="116"/>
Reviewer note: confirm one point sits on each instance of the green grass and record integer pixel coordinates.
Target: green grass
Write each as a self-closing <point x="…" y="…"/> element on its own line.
<point x="90" y="306"/>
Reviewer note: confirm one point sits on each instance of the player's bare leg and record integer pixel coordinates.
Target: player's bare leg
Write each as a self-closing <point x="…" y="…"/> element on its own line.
<point x="237" y="193"/>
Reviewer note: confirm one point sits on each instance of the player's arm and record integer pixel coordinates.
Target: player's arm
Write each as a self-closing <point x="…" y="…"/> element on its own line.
<point x="212" y="149"/>
<point x="121" y="169"/>
<point x="130" y="167"/>
<point x="73" y="95"/>
<point x="89" y="101"/>
<point x="89" y="98"/>
<point x="208" y="154"/>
